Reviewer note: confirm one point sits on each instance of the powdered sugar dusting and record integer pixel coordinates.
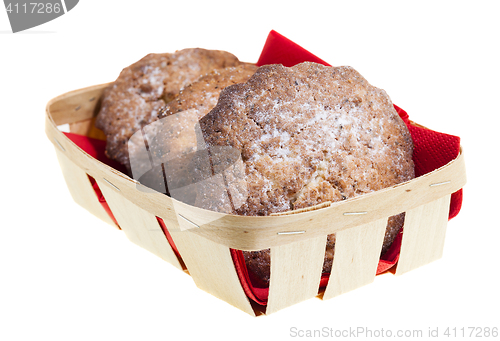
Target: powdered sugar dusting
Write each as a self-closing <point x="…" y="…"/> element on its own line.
<point x="313" y="134"/>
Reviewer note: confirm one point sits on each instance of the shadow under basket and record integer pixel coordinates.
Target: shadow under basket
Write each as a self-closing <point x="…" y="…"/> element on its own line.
<point x="296" y="239"/>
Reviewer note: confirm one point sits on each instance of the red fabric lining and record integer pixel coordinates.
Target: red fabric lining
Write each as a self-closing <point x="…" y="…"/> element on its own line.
<point x="96" y="148"/>
<point x="169" y="237"/>
<point x="101" y="199"/>
<point x="432" y="150"/>
<point x="280" y="50"/>
<point x="251" y="286"/>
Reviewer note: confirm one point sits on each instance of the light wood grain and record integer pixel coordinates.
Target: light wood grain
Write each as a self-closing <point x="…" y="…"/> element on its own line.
<point x="75" y="106"/>
<point x="357" y="252"/>
<point x="211" y="267"/>
<point x="80" y="187"/>
<point x="140" y="226"/>
<point x="423" y="235"/>
<point x="295" y="272"/>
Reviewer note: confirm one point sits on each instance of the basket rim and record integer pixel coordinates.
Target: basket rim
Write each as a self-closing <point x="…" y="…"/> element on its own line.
<point x="246" y="232"/>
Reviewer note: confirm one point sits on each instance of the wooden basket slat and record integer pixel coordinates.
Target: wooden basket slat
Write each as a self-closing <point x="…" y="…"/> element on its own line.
<point x="139" y="226"/>
<point x="211" y="266"/>
<point x="357" y="252"/>
<point x="77" y="105"/>
<point x="80" y="187"/>
<point x="423" y="234"/>
<point x="295" y="272"/>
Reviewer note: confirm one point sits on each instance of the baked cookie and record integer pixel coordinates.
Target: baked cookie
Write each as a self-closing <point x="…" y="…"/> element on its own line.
<point x="173" y="136"/>
<point x="134" y="99"/>
<point x="310" y="134"/>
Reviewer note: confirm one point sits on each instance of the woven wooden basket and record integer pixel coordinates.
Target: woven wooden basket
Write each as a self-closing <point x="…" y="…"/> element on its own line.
<point x="297" y="239"/>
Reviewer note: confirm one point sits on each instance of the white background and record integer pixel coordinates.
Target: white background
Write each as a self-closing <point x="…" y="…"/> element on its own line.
<point x="65" y="275"/>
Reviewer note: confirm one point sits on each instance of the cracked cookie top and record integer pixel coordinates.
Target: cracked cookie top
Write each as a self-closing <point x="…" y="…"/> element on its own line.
<point x="134" y="99"/>
<point x="310" y="134"/>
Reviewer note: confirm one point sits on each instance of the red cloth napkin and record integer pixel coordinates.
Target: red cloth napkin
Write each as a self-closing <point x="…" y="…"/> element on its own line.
<point x="431" y="151"/>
